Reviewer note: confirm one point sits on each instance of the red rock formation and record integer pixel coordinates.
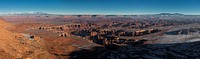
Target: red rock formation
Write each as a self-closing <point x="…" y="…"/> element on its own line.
<point x="15" y="45"/>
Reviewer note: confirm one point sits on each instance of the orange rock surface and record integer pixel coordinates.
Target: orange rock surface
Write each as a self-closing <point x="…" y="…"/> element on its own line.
<point x="16" y="45"/>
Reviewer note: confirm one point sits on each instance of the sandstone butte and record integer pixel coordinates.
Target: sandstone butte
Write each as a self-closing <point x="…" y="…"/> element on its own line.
<point x="16" y="46"/>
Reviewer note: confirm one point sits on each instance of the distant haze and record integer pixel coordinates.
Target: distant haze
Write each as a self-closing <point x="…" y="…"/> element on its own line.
<point x="121" y="7"/>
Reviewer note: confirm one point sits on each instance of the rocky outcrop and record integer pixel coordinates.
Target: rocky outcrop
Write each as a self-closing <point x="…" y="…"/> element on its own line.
<point x="15" y="45"/>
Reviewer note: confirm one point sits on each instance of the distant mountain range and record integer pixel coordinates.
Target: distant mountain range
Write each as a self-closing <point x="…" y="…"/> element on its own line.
<point x="27" y="13"/>
<point x="42" y="13"/>
<point x="170" y="14"/>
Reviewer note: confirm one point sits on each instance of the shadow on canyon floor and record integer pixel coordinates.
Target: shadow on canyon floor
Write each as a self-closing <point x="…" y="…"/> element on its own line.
<point x="189" y="50"/>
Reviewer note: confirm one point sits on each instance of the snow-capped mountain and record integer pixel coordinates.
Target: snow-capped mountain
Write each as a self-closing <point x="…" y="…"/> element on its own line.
<point x="27" y="13"/>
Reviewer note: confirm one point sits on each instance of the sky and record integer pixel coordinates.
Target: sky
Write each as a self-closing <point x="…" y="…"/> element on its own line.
<point x="125" y="7"/>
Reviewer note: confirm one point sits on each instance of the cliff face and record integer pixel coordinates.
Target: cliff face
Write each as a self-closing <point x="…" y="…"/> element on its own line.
<point x="19" y="45"/>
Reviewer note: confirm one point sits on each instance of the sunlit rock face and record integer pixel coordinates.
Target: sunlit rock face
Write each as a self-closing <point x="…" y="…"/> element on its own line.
<point x="16" y="45"/>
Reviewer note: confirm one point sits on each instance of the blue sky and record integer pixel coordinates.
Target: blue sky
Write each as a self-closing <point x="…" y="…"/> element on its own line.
<point x="101" y="6"/>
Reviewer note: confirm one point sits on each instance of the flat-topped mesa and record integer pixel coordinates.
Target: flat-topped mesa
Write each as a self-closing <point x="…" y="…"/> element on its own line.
<point x="58" y="29"/>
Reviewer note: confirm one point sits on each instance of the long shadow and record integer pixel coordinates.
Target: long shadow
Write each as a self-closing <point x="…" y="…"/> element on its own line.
<point x="149" y="51"/>
<point x="88" y="53"/>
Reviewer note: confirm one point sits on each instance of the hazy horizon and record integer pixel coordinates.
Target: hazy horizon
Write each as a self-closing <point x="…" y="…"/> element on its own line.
<point x="105" y="7"/>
